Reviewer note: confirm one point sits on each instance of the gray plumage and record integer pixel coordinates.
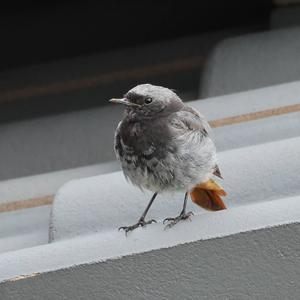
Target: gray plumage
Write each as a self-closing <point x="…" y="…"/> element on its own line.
<point x="162" y="143"/>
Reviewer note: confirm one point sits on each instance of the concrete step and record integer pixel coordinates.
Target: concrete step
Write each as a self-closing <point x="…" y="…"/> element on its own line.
<point x="220" y="246"/>
<point x="25" y="205"/>
<point x="259" y="136"/>
<point x="24" y="228"/>
<point x="103" y="203"/>
<point x="34" y="191"/>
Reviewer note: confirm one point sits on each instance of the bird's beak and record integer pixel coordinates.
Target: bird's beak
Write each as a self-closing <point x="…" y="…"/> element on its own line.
<point x="123" y="101"/>
<point x="120" y="101"/>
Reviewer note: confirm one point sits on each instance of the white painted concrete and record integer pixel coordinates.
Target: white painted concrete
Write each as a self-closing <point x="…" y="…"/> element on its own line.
<point x="103" y="246"/>
<point x="24" y="228"/>
<point x="249" y="101"/>
<point x="257" y="132"/>
<point x="47" y="184"/>
<point x="102" y="203"/>
<point x="30" y="227"/>
<point x="262" y="264"/>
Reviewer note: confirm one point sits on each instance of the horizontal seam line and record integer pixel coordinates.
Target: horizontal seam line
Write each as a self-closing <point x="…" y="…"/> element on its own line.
<point x="26" y="203"/>
<point x="255" y="115"/>
<point x="92" y="81"/>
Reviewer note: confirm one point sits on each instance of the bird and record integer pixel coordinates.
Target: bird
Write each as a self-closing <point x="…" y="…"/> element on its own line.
<point x="164" y="145"/>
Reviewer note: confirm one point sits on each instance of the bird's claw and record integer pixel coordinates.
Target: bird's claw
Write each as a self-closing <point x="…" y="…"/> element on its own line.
<point x="173" y="221"/>
<point x="140" y="223"/>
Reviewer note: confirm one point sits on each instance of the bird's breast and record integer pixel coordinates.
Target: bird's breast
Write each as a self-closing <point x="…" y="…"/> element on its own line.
<point x="143" y="140"/>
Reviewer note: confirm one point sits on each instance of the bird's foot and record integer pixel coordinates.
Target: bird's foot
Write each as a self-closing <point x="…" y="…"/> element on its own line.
<point x="140" y="223"/>
<point x="183" y="216"/>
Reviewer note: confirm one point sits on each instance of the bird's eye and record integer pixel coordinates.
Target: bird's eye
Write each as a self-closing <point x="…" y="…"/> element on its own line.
<point x="148" y="100"/>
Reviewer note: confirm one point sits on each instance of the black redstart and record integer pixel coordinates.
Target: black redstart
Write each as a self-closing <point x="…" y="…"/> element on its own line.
<point x="164" y="145"/>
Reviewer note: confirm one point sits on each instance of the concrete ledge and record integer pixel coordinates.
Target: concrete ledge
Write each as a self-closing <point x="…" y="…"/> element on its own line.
<point x="47" y="184"/>
<point x="262" y="264"/>
<point x="102" y="247"/>
<point x="102" y="203"/>
<point x="24" y="228"/>
<point x="25" y="205"/>
<point x="257" y="132"/>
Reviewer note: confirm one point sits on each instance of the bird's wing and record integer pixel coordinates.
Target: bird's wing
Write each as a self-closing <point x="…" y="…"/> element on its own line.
<point x="189" y="121"/>
<point x="192" y="129"/>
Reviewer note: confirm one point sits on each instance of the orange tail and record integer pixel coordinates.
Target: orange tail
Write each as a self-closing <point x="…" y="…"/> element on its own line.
<point x="207" y="195"/>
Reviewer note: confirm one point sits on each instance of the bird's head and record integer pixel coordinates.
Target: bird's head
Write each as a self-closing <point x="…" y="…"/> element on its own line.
<point x="149" y="101"/>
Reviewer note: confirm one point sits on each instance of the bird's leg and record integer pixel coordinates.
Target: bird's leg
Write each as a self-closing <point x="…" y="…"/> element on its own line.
<point x="141" y="222"/>
<point x="182" y="216"/>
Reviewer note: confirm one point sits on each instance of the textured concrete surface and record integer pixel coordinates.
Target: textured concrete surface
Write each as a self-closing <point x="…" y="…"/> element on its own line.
<point x="24" y="228"/>
<point x="30" y="227"/>
<point x="113" y="244"/>
<point x="102" y="203"/>
<point x="261" y="264"/>
<point x="59" y="142"/>
<point x="257" y="132"/>
<point x="47" y="184"/>
<point x="252" y="61"/>
<point x="227" y="137"/>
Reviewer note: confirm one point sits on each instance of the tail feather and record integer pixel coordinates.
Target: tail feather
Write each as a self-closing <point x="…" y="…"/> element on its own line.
<point x="207" y="195"/>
